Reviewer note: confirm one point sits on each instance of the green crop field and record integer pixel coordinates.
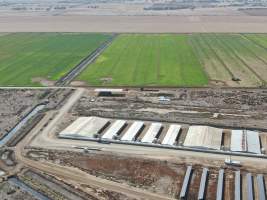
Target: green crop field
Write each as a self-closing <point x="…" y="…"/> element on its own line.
<point x="35" y="59"/>
<point x="151" y="60"/>
<point x="28" y="58"/>
<point x="182" y="60"/>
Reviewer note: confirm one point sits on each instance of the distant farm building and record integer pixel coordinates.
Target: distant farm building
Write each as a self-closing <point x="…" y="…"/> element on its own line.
<point x="106" y="92"/>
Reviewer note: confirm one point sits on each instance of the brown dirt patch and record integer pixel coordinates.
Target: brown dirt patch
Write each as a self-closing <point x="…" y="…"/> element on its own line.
<point x="43" y="81"/>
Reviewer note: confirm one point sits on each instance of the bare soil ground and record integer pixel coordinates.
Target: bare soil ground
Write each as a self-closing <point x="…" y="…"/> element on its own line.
<point x="243" y="108"/>
<point x="153" y="175"/>
<point x="57" y="189"/>
<point x="43" y="82"/>
<point x="160" y="176"/>
<point x="255" y="11"/>
<point x="9" y="192"/>
<point x="134" y="24"/>
<point x="16" y="103"/>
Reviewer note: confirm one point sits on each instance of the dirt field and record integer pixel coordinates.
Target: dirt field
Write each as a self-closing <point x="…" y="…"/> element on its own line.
<point x="57" y="189"/>
<point x="9" y="192"/>
<point x="143" y="170"/>
<point x="255" y="11"/>
<point x="159" y="176"/>
<point x="236" y="107"/>
<point x="16" y="103"/>
<point x="128" y="24"/>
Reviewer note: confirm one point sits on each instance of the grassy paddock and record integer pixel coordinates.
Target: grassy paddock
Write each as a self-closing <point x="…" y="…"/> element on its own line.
<point x="27" y="56"/>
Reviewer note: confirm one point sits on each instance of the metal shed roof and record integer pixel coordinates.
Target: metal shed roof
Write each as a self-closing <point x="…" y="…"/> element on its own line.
<point x="202" y="186"/>
<point x="253" y="142"/>
<point x="237" y="185"/>
<point x="171" y="134"/>
<point x="238" y="141"/>
<point x="132" y="131"/>
<point x="245" y="141"/>
<point x="114" y="129"/>
<point x="219" y="193"/>
<point x="75" y="127"/>
<point x="203" y="137"/>
<point x="250" y="192"/>
<point x="186" y="182"/>
<point x="152" y="132"/>
<point x="108" y="90"/>
<point x="93" y="126"/>
<point x="261" y="187"/>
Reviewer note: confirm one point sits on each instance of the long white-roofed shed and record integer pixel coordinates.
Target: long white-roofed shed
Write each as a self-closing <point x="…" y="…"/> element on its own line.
<point x="94" y="126"/>
<point x="85" y="127"/>
<point x="116" y="127"/>
<point x="152" y="132"/>
<point x="76" y="126"/>
<point x="253" y="142"/>
<point x="171" y="134"/>
<point x="203" y="137"/>
<point x="132" y="131"/>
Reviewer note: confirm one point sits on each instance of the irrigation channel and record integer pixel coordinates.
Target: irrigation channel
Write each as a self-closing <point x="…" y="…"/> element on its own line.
<point x="15" y="130"/>
<point x="15" y="181"/>
<point x="66" y="79"/>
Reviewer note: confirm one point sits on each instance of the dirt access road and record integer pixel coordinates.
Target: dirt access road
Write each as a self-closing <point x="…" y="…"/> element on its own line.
<point x="72" y="174"/>
<point x="134" y="24"/>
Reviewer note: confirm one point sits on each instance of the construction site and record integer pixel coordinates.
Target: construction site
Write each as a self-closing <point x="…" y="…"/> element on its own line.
<point x="130" y="143"/>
